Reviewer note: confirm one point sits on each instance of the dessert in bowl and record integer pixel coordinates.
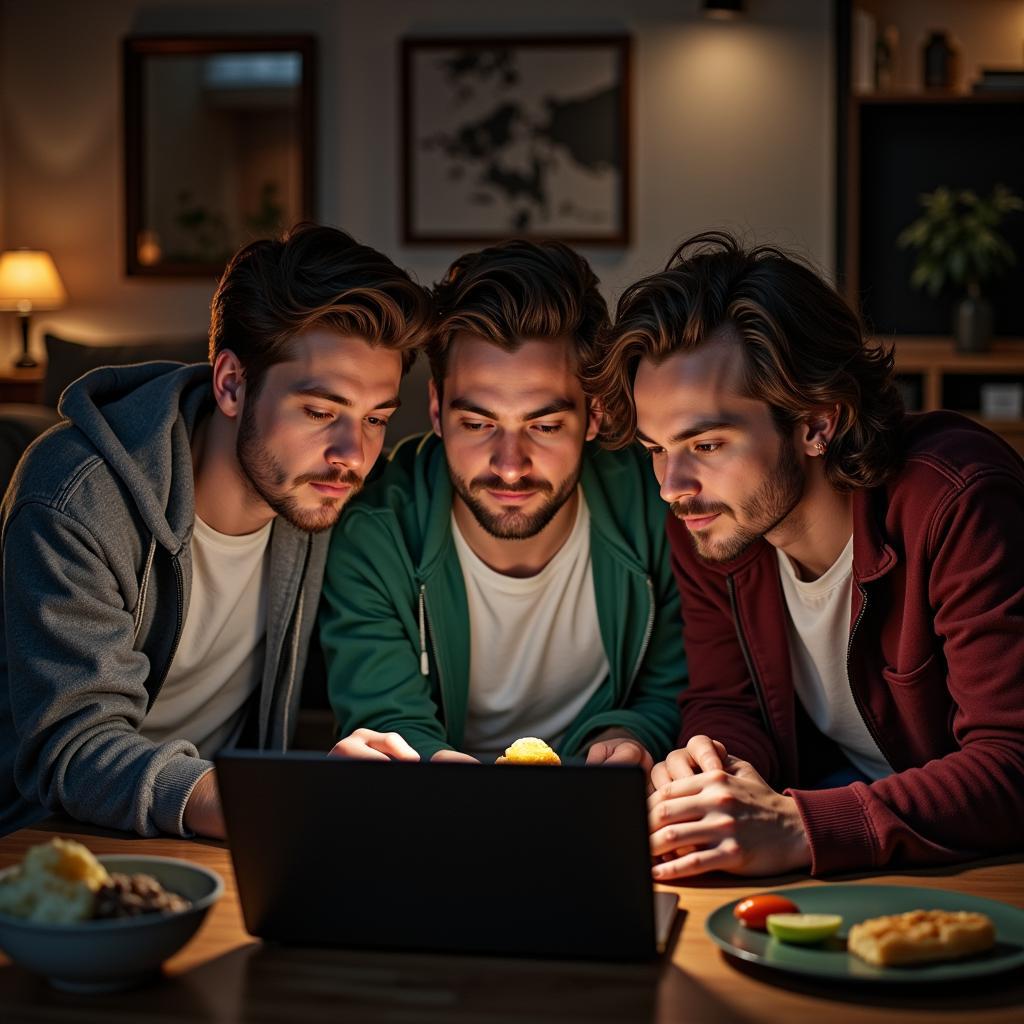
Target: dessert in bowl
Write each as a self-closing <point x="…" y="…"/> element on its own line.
<point x="93" y="924"/>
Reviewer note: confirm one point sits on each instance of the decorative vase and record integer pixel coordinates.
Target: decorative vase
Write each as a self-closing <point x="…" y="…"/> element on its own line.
<point x="972" y="324"/>
<point x="938" y="61"/>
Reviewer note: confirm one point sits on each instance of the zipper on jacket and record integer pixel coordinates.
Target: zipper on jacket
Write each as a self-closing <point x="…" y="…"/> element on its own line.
<point x="849" y="679"/>
<point x="647" y="639"/>
<point x="144" y="588"/>
<point x="424" y="666"/>
<point x="179" y="576"/>
<point x="292" y="662"/>
<point x="424" y="661"/>
<point x="300" y="607"/>
<point x="731" y="587"/>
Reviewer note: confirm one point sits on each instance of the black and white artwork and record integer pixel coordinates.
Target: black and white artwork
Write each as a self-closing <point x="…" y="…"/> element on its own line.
<point x="516" y="137"/>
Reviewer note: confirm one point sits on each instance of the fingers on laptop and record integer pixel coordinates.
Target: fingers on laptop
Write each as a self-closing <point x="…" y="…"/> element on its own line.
<point x="615" y="752"/>
<point x="369" y="745"/>
<point x="453" y="757"/>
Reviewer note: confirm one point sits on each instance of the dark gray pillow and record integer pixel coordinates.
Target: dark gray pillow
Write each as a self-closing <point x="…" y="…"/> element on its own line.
<point x="68" y="360"/>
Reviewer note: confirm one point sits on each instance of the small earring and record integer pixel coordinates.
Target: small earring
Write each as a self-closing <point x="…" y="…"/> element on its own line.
<point x="821" y="447"/>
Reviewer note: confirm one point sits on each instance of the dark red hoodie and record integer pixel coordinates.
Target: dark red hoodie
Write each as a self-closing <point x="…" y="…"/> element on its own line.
<point x="935" y="658"/>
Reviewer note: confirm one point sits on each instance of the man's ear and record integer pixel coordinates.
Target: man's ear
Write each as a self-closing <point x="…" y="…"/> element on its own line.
<point x="595" y="417"/>
<point x="434" y="407"/>
<point x="228" y="383"/>
<point x="815" y="433"/>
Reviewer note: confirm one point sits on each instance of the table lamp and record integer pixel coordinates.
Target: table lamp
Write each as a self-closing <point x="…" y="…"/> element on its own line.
<point x="29" y="281"/>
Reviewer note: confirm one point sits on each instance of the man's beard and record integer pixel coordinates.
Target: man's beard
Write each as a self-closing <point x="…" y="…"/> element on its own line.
<point x="770" y="504"/>
<point x="266" y="479"/>
<point x="513" y="523"/>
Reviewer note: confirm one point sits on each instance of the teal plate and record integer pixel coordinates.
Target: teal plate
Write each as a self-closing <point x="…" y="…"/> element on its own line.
<point x="855" y="903"/>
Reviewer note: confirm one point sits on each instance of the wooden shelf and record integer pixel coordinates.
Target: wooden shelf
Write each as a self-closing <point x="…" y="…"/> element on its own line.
<point x="939" y="96"/>
<point x="933" y="359"/>
<point x="927" y="354"/>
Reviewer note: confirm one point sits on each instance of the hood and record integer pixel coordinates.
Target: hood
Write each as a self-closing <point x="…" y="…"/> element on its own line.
<point x="140" y="419"/>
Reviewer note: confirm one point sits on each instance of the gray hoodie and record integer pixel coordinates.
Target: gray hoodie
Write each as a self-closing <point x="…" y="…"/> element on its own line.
<point x="97" y="571"/>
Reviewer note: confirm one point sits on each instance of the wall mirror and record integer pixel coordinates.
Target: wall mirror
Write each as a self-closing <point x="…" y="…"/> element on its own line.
<point x="219" y="146"/>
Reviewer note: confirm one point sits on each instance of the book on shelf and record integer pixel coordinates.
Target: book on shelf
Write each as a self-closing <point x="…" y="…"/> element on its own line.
<point x="1007" y="79"/>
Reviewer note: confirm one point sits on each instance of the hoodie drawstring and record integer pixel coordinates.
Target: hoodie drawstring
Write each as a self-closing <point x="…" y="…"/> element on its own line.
<point x="424" y="662"/>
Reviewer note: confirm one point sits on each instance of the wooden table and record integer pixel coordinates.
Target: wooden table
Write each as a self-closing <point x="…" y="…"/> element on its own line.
<point x="226" y="975"/>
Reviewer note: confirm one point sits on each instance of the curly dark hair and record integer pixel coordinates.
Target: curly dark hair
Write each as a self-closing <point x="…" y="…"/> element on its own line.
<point x="517" y="290"/>
<point x="803" y="349"/>
<point x="273" y="289"/>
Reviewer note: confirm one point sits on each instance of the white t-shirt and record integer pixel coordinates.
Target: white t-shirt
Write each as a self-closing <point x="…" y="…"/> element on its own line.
<point x="219" y="660"/>
<point x="536" y="655"/>
<point x="819" y="634"/>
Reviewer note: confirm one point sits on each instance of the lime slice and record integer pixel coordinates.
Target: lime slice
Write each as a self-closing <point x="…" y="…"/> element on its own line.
<point x="803" y="928"/>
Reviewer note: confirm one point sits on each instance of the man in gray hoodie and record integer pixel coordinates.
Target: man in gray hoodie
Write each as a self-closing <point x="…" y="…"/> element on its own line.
<point x="163" y="548"/>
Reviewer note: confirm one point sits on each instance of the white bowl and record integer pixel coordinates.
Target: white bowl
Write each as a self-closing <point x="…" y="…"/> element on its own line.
<point x="103" y="956"/>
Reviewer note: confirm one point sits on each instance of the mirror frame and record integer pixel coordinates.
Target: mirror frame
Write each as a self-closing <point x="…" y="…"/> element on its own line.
<point x="134" y="52"/>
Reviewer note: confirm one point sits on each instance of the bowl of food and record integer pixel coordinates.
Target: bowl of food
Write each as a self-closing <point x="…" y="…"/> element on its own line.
<point x="93" y="924"/>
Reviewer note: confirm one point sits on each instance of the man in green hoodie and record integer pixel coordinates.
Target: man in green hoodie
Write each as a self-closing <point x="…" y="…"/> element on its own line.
<point x="504" y="577"/>
<point x="163" y="548"/>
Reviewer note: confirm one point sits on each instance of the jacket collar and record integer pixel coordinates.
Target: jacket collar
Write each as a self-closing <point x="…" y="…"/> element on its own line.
<point x="873" y="557"/>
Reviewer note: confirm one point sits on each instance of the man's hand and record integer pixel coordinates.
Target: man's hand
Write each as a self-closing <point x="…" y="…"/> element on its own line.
<point x="619" y="746"/>
<point x="725" y="820"/>
<point x="701" y="754"/>
<point x="452" y="757"/>
<point x="367" y="745"/>
<point x="202" y="812"/>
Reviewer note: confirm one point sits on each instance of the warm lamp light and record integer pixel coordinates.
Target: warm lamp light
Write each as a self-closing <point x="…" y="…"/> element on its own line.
<point x="29" y="281"/>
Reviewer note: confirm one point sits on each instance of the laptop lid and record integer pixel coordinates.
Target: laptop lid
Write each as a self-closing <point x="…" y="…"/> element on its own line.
<point x="520" y="860"/>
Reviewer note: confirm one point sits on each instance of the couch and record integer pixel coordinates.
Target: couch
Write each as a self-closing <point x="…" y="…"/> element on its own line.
<point x="66" y="361"/>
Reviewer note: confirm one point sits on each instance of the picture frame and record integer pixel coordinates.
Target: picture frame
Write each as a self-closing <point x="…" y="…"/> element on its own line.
<point x="516" y="136"/>
<point x="219" y="147"/>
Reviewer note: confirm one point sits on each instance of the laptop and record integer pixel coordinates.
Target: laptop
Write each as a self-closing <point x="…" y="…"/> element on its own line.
<point x="521" y="860"/>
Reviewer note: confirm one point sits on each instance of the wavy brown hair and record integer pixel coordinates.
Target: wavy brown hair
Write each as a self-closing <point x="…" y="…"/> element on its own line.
<point x="314" y="276"/>
<point x="517" y="290"/>
<point x="803" y="349"/>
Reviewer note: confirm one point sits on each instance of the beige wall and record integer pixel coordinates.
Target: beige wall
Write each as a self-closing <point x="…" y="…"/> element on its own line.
<point x="732" y="126"/>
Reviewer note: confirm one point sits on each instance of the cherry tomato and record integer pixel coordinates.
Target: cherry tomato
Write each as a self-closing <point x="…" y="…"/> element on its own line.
<point x="754" y="909"/>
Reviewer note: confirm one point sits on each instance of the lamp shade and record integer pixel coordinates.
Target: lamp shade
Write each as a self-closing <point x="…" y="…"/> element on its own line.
<point x="29" y="280"/>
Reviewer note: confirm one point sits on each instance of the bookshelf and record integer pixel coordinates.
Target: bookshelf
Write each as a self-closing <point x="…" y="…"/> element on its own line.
<point x="944" y="378"/>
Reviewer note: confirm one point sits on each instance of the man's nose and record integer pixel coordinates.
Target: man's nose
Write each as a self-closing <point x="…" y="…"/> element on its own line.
<point x="510" y="460"/>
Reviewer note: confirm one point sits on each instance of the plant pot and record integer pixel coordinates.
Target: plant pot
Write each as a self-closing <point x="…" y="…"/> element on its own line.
<point x="972" y="324"/>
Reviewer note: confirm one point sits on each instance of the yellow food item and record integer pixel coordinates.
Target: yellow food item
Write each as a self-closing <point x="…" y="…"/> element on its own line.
<point x="56" y="883"/>
<point x="529" y="750"/>
<point x="921" y="936"/>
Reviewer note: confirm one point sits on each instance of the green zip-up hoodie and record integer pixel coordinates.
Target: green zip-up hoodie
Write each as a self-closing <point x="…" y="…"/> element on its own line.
<point x="394" y="620"/>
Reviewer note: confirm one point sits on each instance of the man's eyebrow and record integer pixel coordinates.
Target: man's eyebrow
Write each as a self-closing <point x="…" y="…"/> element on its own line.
<point x="698" y="428"/>
<point x="556" y="406"/>
<point x="316" y="391"/>
<point x="465" y="405"/>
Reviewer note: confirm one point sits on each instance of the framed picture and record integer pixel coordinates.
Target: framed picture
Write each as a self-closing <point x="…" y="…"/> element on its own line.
<point x="218" y="144"/>
<point x="516" y="137"/>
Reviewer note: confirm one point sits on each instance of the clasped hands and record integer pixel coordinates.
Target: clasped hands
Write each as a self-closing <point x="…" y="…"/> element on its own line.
<point x="711" y="811"/>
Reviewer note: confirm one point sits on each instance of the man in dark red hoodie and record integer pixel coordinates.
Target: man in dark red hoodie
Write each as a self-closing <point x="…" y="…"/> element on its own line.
<point x="852" y="580"/>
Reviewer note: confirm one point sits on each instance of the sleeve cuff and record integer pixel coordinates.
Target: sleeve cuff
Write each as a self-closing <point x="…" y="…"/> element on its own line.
<point x="837" y="829"/>
<point x="171" y="790"/>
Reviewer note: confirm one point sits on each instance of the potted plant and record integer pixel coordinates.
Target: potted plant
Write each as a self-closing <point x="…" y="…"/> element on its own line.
<point x="958" y="243"/>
